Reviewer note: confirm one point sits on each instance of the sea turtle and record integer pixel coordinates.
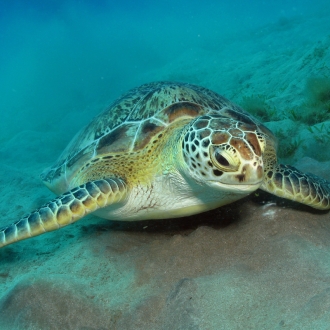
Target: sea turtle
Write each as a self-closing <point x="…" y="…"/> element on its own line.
<point x="165" y="150"/>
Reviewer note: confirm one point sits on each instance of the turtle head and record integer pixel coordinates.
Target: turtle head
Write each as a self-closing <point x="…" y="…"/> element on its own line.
<point x="224" y="152"/>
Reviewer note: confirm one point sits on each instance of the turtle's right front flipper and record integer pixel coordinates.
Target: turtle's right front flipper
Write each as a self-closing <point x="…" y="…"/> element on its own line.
<point x="288" y="182"/>
<point x="66" y="209"/>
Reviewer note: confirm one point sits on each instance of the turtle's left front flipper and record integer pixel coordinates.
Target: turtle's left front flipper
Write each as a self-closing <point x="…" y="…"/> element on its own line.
<point x="288" y="182"/>
<point x="66" y="209"/>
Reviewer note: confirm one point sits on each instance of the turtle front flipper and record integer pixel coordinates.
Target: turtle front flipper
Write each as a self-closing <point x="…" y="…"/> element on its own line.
<point x="66" y="209"/>
<point x="288" y="182"/>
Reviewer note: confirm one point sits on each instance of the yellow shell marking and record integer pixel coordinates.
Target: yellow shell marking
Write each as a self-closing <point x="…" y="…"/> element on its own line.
<point x="138" y="167"/>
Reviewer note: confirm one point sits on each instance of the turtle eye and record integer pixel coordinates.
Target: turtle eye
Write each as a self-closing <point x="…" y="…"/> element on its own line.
<point x="224" y="158"/>
<point x="221" y="159"/>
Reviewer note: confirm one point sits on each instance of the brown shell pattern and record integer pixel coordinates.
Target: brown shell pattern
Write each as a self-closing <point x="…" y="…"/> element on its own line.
<point x="129" y="123"/>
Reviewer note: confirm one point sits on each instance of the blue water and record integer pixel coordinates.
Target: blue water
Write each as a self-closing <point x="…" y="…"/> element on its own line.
<point x="61" y="63"/>
<point x="83" y="51"/>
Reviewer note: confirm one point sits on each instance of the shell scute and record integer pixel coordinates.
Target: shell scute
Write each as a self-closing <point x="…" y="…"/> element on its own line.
<point x="132" y="121"/>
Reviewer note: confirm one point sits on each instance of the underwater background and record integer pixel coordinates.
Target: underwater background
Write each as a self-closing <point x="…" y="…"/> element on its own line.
<point x="260" y="263"/>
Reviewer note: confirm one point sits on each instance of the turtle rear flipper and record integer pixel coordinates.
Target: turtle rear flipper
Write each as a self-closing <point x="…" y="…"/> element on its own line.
<point x="66" y="209"/>
<point x="288" y="182"/>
